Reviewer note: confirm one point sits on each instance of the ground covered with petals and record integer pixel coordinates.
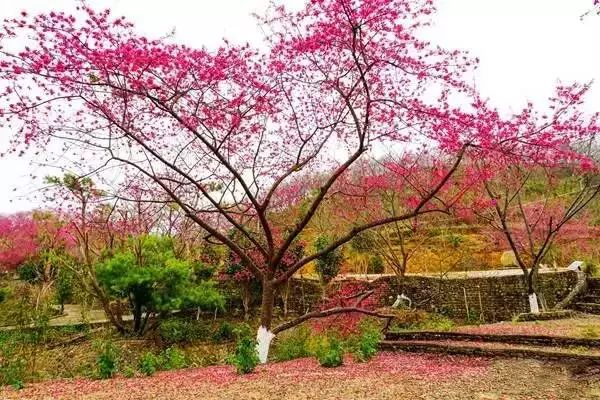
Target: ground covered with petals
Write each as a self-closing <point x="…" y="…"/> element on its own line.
<point x="585" y="326"/>
<point x="387" y="376"/>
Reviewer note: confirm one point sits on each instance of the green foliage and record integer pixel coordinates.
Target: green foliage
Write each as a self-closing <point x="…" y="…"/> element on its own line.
<point x="107" y="359"/>
<point x="12" y="365"/>
<point x="154" y="280"/>
<point x="172" y="358"/>
<point x="29" y="271"/>
<point x="4" y="293"/>
<point x="330" y="352"/>
<point x="180" y="330"/>
<point x="292" y="344"/>
<point x="327" y="265"/>
<point x="225" y="332"/>
<point x="128" y="372"/>
<point x="367" y="343"/>
<point x="590" y="332"/>
<point x="148" y="363"/>
<point x="376" y="265"/>
<point x="64" y="286"/>
<point x="245" y="357"/>
<point x="411" y="320"/>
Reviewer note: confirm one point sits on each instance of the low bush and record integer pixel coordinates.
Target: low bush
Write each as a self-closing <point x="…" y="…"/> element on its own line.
<point x="292" y="344"/>
<point x="413" y="320"/>
<point x="107" y="359"/>
<point x="245" y="358"/>
<point x="225" y="332"/>
<point x="367" y="343"/>
<point x="12" y="366"/>
<point x="149" y="363"/>
<point x="330" y="352"/>
<point x="172" y="358"/>
<point x="179" y="330"/>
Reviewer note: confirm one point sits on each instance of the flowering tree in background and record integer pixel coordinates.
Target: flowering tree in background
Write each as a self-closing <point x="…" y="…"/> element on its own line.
<point x="531" y="225"/>
<point x="18" y="234"/>
<point x="224" y="134"/>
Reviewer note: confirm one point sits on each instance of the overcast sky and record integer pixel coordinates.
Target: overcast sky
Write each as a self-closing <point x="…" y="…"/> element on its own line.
<point x="524" y="47"/>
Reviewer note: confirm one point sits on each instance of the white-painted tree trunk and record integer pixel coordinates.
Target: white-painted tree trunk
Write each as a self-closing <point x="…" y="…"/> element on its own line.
<point x="263" y="339"/>
<point x="533" y="304"/>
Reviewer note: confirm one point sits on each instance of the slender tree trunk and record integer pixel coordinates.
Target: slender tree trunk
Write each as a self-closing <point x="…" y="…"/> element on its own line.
<point x="264" y="335"/>
<point x="531" y="292"/>
<point x="246" y="298"/>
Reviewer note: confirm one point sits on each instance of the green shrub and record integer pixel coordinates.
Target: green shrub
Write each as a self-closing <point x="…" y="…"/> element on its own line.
<point x="590" y="332"/>
<point x="172" y="358"/>
<point x="29" y="271"/>
<point x="329" y="264"/>
<point x="376" y="265"/>
<point x="12" y="366"/>
<point x="155" y="280"/>
<point x="245" y="357"/>
<point x="107" y="359"/>
<point x="128" y="372"/>
<point x="330" y="352"/>
<point x="179" y="330"/>
<point x="368" y="342"/>
<point x="149" y="363"/>
<point x="225" y="332"/>
<point x="4" y="293"/>
<point x="292" y="344"/>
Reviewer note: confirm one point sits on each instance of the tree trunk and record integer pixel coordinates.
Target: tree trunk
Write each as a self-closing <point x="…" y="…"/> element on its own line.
<point x="264" y="335"/>
<point x="531" y="292"/>
<point x="246" y="298"/>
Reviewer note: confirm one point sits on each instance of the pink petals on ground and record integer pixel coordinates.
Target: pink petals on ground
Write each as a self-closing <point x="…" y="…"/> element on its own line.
<point x="401" y="365"/>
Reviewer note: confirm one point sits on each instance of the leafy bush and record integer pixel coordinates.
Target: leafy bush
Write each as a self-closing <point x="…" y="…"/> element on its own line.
<point x="155" y="280"/>
<point x="376" y="265"/>
<point x="107" y="359"/>
<point x="64" y="287"/>
<point x="12" y="366"/>
<point x="293" y="344"/>
<point x="328" y="265"/>
<point x="149" y="363"/>
<point x="368" y="342"/>
<point x="29" y="271"/>
<point x="128" y="372"/>
<point x="172" y="358"/>
<point x="4" y="293"/>
<point x="330" y="352"/>
<point x="421" y="320"/>
<point x="224" y="332"/>
<point x="179" y="330"/>
<point x="245" y="357"/>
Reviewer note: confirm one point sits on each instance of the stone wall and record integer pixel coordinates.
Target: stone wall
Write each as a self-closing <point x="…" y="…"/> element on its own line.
<point x="487" y="298"/>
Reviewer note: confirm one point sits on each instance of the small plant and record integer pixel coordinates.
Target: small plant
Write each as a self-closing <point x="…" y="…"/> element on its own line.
<point x="172" y="358"/>
<point x="178" y="330"/>
<point x="293" y="344"/>
<point x="129" y="372"/>
<point x="368" y="343"/>
<point x="12" y="366"/>
<point x="245" y="357"/>
<point x="330" y="352"/>
<point x="107" y="359"/>
<point x="149" y="363"/>
<point x="224" y="333"/>
<point x="4" y="293"/>
<point x="590" y="332"/>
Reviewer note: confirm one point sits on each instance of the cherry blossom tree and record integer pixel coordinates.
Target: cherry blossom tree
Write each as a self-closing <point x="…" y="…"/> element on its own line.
<point x="225" y="133"/>
<point x="534" y="208"/>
